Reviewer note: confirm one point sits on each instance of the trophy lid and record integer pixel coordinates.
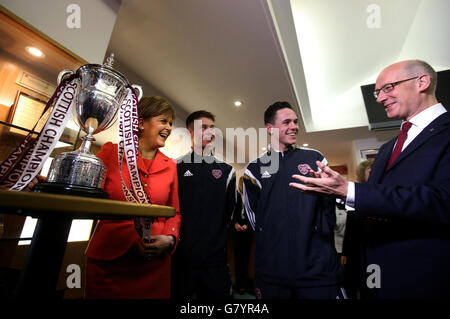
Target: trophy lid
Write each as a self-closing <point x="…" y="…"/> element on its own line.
<point x="107" y="66"/>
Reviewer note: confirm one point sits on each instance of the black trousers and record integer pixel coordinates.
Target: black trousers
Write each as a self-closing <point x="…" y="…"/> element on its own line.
<point x="242" y="246"/>
<point x="204" y="283"/>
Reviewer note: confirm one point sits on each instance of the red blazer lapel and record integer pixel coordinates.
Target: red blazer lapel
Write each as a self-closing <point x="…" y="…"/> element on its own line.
<point x="159" y="163"/>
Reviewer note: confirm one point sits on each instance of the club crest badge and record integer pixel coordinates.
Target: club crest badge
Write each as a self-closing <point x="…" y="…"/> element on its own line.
<point x="303" y="168"/>
<point x="217" y="173"/>
<point x="258" y="293"/>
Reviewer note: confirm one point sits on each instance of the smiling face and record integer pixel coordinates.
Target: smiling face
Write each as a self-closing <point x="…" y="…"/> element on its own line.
<point x="404" y="100"/>
<point x="287" y="124"/>
<point x="205" y="133"/>
<point x="156" y="130"/>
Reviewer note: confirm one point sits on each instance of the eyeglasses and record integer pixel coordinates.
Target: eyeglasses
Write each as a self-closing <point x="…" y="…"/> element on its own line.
<point x="390" y="86"/>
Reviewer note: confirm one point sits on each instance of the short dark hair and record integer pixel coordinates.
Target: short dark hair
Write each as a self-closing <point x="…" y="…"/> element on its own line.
<point x="270" y="113"/>
<point x="199" y="114"/>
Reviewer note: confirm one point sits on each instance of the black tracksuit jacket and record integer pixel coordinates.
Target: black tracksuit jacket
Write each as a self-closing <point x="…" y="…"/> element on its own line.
<point x="293" y="231"/>
<point x="207" y="194"/>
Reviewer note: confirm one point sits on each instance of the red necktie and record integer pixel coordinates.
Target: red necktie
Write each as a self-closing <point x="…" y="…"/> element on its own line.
<point x="400" y="141"/>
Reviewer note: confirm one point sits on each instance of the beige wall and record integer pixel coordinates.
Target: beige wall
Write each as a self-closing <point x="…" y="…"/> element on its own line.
<point x="89" y="42"/>
<point x="10" y="69"/>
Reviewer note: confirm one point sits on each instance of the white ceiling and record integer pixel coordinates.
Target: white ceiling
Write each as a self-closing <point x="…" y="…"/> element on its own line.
<point x="344" y="44"/>
<point x="208" y="53"/>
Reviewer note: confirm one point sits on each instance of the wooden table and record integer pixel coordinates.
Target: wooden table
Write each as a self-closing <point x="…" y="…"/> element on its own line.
<point x="55" y="213"/>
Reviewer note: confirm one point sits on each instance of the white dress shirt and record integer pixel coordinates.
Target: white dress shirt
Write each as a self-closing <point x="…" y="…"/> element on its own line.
<point x="419" y="122"/>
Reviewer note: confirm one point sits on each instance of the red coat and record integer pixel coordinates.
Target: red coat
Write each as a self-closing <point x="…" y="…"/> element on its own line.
<point x="114" y="269"/>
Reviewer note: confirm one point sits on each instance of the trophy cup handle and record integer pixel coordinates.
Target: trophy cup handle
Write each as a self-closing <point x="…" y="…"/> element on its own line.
<point x="138" y="90"/>
<point x="62" y="74"/>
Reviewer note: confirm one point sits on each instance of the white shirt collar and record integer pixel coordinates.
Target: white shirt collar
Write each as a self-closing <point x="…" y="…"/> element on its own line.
<point x="427" y="116"/>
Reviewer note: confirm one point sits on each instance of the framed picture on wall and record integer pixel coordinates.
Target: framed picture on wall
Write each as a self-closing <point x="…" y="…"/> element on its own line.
<point x="35" y="84"/>
<point x="369" y="154"/>
<point x="26" y="111"/>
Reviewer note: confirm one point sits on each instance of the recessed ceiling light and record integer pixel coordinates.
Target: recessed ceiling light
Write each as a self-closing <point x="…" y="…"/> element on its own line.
<point x="263" y="148"/>
<point x="305" y="145"/>
<point x="237" y="103"/>
<point x="35" y="51"/>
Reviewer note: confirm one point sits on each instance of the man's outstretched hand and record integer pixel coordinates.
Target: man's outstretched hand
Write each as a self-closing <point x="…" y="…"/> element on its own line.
<point x="325" y="181"/>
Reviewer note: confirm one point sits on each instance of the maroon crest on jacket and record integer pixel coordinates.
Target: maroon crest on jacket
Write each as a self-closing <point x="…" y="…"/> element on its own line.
<point x="303" y="168"/>
<point x="217" y="173"/>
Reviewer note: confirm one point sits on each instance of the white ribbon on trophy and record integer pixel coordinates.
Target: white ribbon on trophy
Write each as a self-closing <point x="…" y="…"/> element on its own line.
<point x="129" y="147"/>
<point x="18" y="171"/>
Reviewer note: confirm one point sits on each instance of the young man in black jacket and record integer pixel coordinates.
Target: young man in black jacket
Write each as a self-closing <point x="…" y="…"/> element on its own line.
<point x="295" y="255"/>
<point x="207" y="193"/>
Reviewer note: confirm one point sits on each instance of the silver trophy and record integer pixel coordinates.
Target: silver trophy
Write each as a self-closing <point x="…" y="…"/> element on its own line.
<point x="101" y="94"/>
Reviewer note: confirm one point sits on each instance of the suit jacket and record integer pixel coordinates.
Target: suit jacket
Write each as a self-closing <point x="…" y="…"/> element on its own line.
<point x="114" y="267"/>
<point x="411" y="204"/>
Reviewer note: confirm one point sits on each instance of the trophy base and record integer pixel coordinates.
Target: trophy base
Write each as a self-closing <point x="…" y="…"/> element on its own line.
<point x="74" y="190"/>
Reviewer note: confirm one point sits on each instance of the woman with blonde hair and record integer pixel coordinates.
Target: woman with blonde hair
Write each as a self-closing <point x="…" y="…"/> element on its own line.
<point x="120" y="264"/>
<point x="363" y="171"/>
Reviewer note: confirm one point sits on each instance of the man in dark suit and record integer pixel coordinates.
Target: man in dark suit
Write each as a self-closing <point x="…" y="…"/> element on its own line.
<point x="408" y="192"/>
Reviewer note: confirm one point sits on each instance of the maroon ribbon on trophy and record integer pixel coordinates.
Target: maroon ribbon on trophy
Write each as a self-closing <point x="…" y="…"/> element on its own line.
<point x="129" y="148"/>
<point x="25" y="162"/>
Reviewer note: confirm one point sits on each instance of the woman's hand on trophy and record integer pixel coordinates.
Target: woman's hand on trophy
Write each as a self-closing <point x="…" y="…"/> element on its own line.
<point x="34" y="181"/>
<point x="157" y="245"/>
